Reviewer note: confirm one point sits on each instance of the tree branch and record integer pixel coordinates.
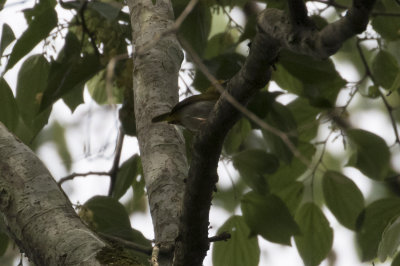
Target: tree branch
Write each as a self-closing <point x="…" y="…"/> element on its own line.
<point x="310" y="41"/>
<point x="274" y="32"/>
<point x="38" y="215"/>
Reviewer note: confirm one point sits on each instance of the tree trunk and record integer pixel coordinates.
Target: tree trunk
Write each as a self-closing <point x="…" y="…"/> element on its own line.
<point x="157" y="61"/>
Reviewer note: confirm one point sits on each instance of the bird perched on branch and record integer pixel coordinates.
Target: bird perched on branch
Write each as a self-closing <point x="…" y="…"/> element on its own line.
<point x="193" y="111"/>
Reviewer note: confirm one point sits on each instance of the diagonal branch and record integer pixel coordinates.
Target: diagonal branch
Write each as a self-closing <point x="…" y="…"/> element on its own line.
<point x="274" y="32"/>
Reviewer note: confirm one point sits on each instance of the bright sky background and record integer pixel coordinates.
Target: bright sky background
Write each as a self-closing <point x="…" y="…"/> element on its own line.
<point x="92" y="136"/>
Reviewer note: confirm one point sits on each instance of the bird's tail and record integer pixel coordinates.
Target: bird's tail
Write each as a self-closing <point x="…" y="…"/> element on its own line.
<point x="160" y="118"/>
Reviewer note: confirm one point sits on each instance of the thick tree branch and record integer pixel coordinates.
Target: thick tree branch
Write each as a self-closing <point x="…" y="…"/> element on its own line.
<point x="310" y="41"/>
<point x="193" y="242"/>
<point x="38" y="216"/>
<point x="275" y="31"/>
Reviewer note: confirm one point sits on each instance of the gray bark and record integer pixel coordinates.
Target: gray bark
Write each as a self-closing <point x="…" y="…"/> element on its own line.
<point x="155" y="83"/>
<point x="37" y="214"/>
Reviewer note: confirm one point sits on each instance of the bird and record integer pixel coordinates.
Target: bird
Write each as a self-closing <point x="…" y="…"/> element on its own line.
<point x="193" y="111"/>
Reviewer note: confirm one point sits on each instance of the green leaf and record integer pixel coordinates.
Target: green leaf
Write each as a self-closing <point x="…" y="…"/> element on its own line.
<point x="196" y="26"/>
<point x="387" y="26"/>
<point x="220" y="43"/>
<point x="240" y="249"/>
<point x="269" y="217"/>
<point x="222" y="67"/>
<point x="127" y="173"/>
<point x="367" y="147"/>
<point x="373" y="221"/>
<point x="237" y="135"/>
<point x="7" y="36"/>
<point x="385" y="69"/>
<point x="69" y="72"/>
<point x="74" y="98"/>
<point x="320" y="81"/>
<point x="390" y="240"/>
<point x="316" y="238"/>
<point x="288" y="173"/>
<point x="32" y="79"/>
<point x="262" y="103"/>
<point x="58" y="137"/>
<point x="286" y="80"/>
<point x="253" y="164"/>
<point x="4" y="240"/>
<point x="38" y="30"/>
<point x="97" y="87"/>
<point x="281" y="118"/>
<point x="343" y="198"/>
<point x="108" y="10"/>
<point x="305" y="116"/>
<point x="396" y="260"/>
<point x="291" y="195"/>
<point x="8" y="106"/>
<point x="108" y="216"/>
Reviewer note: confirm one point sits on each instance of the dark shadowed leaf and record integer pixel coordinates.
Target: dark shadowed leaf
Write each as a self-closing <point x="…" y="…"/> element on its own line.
<point x="387" y="26"/>
<point x="385" y="70"/>
<point x="319" y="79"/>
<point x="8" y="107"/>
<point x="7" y="36"/>
<point x="343" y="198"/>
<point x="32" y="79"/>
<point x="37" y="31"/>
<point x="268" y="216"/>
<point x="240" y="249"/>
<point x="316" y="237"/>
<point x="253" y="164"/>
<point x="371" y="155"/>
<point x="237" y="135"/>
<point x="288" y="173"/>
<point x="374" y="220"/>
<point x="108" y="216"/>
<point x="281" y="118"/>
<point x="127" y="173"/>
<point x="69" y="72"/>
<point x="197" y="25"/>
<point x="4" y="240"/>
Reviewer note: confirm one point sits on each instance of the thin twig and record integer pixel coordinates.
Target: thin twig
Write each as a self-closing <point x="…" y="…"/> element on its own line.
<point x="127" y="244"/>
<point x="283" y="136"/>
<point x="154" y="255"/>
<point x="73" y="175"/>
<point x="385" y="102"/>
<point x="115" y="167"/>
<point x="85" y="28"/>
<point x="221" y="237"/>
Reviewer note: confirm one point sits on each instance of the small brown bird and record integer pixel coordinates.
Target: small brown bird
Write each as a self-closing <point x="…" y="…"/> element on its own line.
<point x="193" y="111"/>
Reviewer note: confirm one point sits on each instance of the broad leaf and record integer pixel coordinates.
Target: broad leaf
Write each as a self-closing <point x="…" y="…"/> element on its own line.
<point x="240" y="249"/>
<point x="4" y="241"/>
<point x="316" y="238"/>
<point x="237" y="135"/>
<point x="8" y="107"/>
<point x="108" y="216"/>
<point x="390" y="240"/>
<point x="343" y="198"/>
<point x="7" y="36"/>
<point x="374" y="220"/>
<point x="253" y="164"/>
<point x="269" y="217"/>
<point x="32" y="80"/>
<point x="38" y="30"/>
<point x="127" y="173"/>
<point x="69" y="72"/>
<point x="372" y="155"/>
<point x="385" y="70"/>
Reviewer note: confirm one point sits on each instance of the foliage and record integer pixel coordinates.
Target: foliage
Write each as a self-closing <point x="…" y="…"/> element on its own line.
<point x="279" y="196"/>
